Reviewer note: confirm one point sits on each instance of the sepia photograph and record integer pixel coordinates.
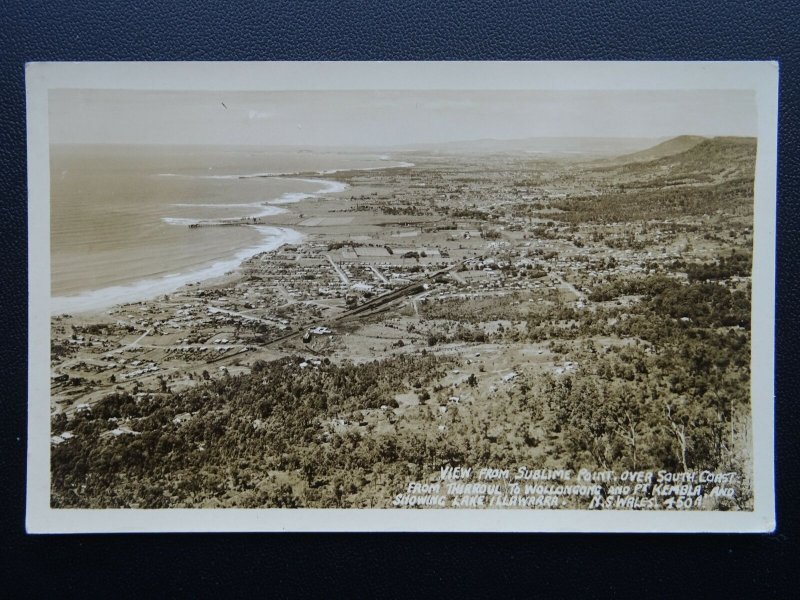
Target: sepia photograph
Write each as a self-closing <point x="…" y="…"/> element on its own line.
<point x="401" y="296"/>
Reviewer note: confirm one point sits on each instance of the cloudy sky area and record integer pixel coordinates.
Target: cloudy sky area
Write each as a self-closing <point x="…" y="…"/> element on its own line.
<point x="389" y="118"/>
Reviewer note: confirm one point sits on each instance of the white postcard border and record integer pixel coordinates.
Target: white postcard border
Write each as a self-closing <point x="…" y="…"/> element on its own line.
<point x="762" y="77"/>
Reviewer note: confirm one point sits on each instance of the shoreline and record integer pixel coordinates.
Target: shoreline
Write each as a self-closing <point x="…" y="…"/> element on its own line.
<point x="100" y="300"/>
<point x="273" y="237"/>
<point x="148" y="289"/>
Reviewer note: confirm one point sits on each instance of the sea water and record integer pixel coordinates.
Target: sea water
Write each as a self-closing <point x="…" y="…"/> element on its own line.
<point x="121" y="215"/>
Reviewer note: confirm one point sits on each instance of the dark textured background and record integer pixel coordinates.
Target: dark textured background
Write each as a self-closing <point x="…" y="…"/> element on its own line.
<point x="535" y="565"/>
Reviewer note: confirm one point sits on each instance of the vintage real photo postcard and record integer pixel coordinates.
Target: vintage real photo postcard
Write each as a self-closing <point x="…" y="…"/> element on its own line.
<point x="401" y="296"/>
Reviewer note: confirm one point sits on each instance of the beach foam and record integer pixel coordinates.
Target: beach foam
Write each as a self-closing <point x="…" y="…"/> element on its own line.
<point x="257" y="210"/>
<point x="328" y="187"/>
<point x="214" y="258"/>
<point x="272" y="210"/>
<point x="179" y="221"/>
<point x="291" y="197"/>
<point x="274" y="238"/>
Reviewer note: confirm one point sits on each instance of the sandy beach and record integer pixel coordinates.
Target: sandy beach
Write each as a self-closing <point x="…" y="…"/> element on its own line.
<point x="165" y="230"/>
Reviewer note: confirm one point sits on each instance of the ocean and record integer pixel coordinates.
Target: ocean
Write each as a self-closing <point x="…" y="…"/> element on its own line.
<point x="120" y="215"/>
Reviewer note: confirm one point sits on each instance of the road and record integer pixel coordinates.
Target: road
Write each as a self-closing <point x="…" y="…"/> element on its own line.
<point x="570" y="287"/>
<point x="273" y="322"/>
<point x="375" y="304"/>
<point x="457" y="277"/>
<point x="339" y="272"/>
<point x="379" y="275"/>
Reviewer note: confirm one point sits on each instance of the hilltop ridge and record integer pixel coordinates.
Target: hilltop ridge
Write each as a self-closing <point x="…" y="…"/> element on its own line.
<point x="669" y="147"/>
<point x="709" y="160"/>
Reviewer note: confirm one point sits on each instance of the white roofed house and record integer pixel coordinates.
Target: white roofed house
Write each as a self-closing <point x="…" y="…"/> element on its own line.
<point x="181" y="418"/>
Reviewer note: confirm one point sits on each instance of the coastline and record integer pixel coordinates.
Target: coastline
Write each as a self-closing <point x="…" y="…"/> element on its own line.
<point x="385" y="271"/>
<point x="275" y="235"/>
<point x="104" y="298"/>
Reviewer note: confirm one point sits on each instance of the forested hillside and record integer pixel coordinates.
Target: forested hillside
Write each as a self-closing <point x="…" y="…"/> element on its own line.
<point x="676" y="399"/>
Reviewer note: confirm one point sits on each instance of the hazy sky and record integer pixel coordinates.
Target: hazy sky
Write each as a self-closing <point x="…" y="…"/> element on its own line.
<point x="387" y="118"/>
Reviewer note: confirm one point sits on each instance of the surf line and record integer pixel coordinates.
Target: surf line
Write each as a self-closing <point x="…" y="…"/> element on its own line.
<point x="148" y="288"/>
<point x="145" y="289"/>
<point x="260" y="209"/>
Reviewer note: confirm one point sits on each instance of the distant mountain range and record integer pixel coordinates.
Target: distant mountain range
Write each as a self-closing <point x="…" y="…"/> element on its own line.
<point x="682" y="160"/>
<point x="605" y="151"/>
<point x="590" y="147"/>
<point x="610" y="151"/>
<point x="719" y="150"/>
<point x="671" y="146"/>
